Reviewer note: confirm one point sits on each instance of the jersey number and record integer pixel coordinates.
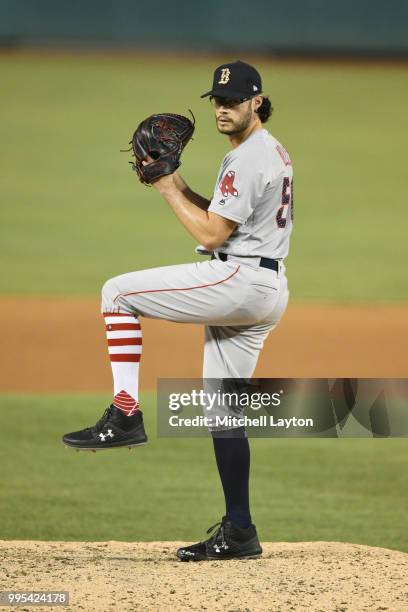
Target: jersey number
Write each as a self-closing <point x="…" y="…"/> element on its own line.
<point x="287" y="201"/>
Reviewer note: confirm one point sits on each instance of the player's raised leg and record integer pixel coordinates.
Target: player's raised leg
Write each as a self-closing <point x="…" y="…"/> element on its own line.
<point x="183" y="293"/>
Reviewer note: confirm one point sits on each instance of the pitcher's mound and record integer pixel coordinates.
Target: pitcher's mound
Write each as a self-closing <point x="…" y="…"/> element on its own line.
<point x="316" y="576"/>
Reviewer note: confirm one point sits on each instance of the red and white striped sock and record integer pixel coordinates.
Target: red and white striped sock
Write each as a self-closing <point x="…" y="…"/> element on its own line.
<point x="124" y="336"/>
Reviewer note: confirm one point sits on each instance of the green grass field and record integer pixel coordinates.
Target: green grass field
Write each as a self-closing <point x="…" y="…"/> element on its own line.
<point x="72" y="213"/>
<point x="303" y="490"/>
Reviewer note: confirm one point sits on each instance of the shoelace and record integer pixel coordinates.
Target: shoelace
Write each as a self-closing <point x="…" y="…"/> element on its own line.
<point x="218" y="538"/>
<point x="105" y="417"/>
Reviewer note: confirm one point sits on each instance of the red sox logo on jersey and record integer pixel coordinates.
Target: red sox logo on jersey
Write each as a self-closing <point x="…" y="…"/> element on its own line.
<point x="227" y="184"/>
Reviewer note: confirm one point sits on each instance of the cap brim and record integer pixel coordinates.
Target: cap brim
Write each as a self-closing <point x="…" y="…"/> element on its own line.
<point x="222" y="93"/>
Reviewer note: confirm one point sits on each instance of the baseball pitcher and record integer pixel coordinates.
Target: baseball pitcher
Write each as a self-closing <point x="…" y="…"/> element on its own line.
<point x="239" y="294"/>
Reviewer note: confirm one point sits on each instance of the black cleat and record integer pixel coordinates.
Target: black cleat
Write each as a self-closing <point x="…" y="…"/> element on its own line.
<point x="228" y="542"/>
<point x="113" y="430"/>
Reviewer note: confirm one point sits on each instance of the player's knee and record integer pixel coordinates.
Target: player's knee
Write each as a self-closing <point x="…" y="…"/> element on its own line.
<point x="110" y="294"/>
<point x="110" y="289"/>
<point x="114" y="295"/>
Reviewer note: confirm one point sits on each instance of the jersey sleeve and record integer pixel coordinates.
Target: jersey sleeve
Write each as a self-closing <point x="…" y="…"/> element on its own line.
<point x="239" y="187"/>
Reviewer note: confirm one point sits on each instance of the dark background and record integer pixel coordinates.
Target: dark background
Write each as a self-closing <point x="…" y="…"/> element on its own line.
<point x="338" y="27"/>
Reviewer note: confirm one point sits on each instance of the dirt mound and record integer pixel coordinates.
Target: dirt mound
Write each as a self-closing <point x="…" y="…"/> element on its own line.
<point x="316" y="576"/>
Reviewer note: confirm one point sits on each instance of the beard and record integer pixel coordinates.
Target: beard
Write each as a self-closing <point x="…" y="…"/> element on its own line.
<point x="235" y="127"/>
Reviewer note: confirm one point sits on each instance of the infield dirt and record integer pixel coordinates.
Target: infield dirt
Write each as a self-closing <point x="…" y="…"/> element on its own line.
<point x="103" y="576"/>
<point x="58" y="344"/>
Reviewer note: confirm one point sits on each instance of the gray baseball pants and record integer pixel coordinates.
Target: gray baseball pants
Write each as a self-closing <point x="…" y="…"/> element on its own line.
<point x="237" y="301"/>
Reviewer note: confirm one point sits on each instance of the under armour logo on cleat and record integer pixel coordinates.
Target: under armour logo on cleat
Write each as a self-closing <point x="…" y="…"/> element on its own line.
<point x="109" y="434"/>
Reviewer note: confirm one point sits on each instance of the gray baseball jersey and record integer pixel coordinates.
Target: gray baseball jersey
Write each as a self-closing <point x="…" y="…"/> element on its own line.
<point x="255" y="188"/>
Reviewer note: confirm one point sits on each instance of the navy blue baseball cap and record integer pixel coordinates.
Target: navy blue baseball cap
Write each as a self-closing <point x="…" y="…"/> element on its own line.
<point x="235" y="80"/>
